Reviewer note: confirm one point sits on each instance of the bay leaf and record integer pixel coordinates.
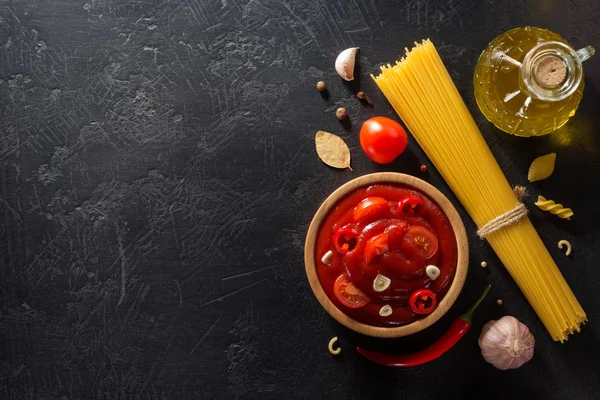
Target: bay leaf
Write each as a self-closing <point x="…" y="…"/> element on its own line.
<point x="332" y="150"/>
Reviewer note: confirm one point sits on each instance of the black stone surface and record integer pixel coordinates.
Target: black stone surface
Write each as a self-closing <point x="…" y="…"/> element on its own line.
<point x="158" y="175"/>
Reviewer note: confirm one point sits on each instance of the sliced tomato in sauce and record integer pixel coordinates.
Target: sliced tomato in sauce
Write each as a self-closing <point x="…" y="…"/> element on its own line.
<point x="421" y="241"/>
<point x="370" y="209"/>
<point x="348" y="294"/>
<point x="376" y="246"/>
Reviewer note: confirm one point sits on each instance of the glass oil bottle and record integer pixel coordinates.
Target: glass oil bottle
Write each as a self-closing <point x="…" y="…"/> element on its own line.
<point x="529" y="81"/>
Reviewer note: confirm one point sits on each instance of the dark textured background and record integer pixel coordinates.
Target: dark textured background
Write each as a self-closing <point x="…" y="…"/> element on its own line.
<point x="158" y="175"/>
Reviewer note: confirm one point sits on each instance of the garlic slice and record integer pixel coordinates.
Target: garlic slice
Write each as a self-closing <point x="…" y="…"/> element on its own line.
<point x="385" y="310"/>
<point x="432" y="272"/>
<point x="381" y="283"/>
<point x="344" y="63"/>
<point x="326" y="259"/>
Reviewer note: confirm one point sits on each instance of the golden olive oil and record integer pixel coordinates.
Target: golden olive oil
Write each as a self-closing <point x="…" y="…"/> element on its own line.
<point x="529" y="81"/>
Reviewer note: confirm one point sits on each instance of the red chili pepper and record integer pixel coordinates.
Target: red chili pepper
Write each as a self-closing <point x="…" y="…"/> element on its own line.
<point x="457" y="330"/>
<point x="422" y="301"/>
<point x="344" y="239"/>
<point x="411" y="205"/>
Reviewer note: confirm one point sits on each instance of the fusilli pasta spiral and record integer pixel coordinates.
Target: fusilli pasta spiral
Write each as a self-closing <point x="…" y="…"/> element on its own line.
<point x="552" y="207"/>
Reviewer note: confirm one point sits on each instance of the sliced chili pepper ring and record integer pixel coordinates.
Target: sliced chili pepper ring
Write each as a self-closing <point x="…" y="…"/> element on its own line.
<point x="411" y="205"/>
<point x="344" y="239"/>
<point x="422" y="301"/>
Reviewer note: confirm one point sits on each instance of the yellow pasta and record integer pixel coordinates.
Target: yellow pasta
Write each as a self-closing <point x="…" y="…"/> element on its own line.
<point x="330" y="346"/>
<point x="541" y="168"/>
<point x="423" y="94"/>
<point x="563" y="243"/>
<point x="553" y="208"/>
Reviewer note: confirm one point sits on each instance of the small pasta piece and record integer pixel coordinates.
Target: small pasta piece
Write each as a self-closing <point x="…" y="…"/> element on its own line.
<point x="542" y="167"/>
<point x="564" y="243"/>
<point x="553" y="208"/>
<point x="331" y="349"/>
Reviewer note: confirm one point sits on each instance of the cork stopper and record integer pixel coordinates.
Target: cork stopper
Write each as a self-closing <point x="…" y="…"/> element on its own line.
<point x="551" y="71"/>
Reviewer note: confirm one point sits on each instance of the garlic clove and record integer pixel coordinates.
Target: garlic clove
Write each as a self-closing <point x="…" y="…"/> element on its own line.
<point x="386" y="310"/>
<point x="344" y="63"/>
<point x="506" y="343"/>
<point x="432" y="272"/>
<point x="326" y="259"/>
<point x="381" y="283"/>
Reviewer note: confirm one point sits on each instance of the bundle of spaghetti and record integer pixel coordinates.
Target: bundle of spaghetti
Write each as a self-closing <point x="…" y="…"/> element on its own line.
<point x="423" y="94"/>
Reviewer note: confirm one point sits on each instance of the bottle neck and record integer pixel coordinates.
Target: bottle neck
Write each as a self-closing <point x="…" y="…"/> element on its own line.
<point x="551" y="71"/>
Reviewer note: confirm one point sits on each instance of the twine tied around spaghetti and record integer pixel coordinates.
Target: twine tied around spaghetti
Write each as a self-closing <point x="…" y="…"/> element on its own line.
<point x="508" y="218"/>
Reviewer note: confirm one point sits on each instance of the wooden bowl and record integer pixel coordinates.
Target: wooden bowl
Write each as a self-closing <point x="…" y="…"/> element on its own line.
<point x="461" y="244"/>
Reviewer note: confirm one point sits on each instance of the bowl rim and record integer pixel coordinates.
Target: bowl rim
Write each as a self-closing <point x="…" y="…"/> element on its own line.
<point x="462" y="262"/>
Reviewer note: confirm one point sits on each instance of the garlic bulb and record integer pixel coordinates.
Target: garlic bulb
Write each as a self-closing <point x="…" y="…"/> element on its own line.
<point x="506" y="343"/>
<point x="344" y="63"/>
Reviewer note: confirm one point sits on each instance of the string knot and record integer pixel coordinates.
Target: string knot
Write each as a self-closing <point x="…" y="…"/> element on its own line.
<point x="508" y="218"/>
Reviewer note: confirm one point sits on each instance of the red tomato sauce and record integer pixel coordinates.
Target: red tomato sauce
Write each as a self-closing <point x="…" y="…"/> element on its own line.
<point x="395" y="259"/>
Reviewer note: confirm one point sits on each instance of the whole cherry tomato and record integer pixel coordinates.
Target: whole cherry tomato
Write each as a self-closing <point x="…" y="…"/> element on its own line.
<point x="383" y="139"/>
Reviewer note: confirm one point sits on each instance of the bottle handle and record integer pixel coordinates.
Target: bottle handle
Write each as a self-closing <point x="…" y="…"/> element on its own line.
<point x="585" y="53"/>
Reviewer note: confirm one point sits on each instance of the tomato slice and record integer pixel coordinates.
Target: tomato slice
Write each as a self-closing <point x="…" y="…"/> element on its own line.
<point x="376" y="246"/>
<point x="421" y="241"/>
<point x="371" y="208"/>
<point x="348" y="294"/>
<point x="422" y="301"/>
